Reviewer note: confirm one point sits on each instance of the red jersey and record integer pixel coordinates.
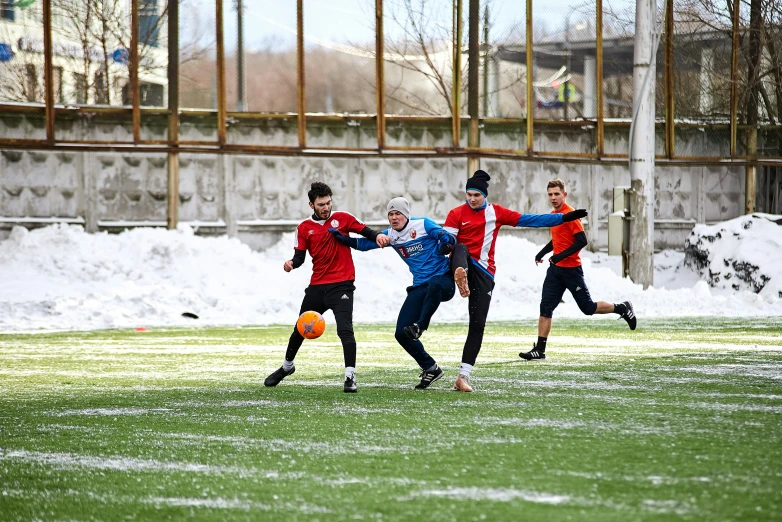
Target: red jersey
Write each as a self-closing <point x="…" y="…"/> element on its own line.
<point x="332" y="261"/>
<point x="562" y="236"/>
<point x="478" y="229"/>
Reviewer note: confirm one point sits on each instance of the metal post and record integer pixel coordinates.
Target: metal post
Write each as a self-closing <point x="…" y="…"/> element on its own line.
<point x="241" y="102"/>
<point x="220" y="84"/>
<point x="530" y="98"/>
<point x="734" y="78"/>
<point x="48" y="71"/>
<point x="135" y="94"/>
<point x="642" y="149"/>
<point x="599" y="78"/>
<point x="456" y="110"/>
<point x="300" y="72"/>
<point x="380" y="81"/>
<point x="669" y="100"/>
<point x="473" y="74"/>
<point x="566" y="103"/>
<point x="486" y="61"/>
<point x="172" y="200"/>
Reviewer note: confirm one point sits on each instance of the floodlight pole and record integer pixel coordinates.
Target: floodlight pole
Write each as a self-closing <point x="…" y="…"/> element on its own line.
<point x="241" y="104"/>
<point x="642" y="149"/>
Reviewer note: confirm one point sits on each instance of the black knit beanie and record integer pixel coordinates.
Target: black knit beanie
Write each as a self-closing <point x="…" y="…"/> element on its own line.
<point x="480" y="182"/>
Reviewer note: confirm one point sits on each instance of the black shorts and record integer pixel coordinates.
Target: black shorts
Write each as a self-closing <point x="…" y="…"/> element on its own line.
<point x="559" y="279"/>
<point x="337" y="297"/>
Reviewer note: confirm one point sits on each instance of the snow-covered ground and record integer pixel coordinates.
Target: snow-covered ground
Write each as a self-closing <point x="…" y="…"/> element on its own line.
<point x="60" y="277"/>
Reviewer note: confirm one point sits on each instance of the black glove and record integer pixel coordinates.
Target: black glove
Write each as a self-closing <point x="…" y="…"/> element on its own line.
<point x="339" y="236"/>
<point x="557" y="257"/>
<point x="576" y="214"/>
<point x="445" y="248"/>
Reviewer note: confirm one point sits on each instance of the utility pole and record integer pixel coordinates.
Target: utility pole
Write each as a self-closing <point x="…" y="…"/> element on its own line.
<point x="642" y="146"/>
<point x="486" y="61"/>
<point x="473" y="91"/>
<point x="241" y="105"/>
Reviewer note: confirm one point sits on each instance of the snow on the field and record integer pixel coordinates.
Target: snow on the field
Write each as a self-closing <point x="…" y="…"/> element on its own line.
<point x="60" y="277"/>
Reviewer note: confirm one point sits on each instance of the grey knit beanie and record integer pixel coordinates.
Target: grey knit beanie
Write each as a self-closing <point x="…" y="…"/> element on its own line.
<point x="399" y="204"/>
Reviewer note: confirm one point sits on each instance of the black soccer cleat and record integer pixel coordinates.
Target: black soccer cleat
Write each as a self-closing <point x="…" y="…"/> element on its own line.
<point x="350" y="385"/>
<point x="275" y="378"/>
<point x="427" y="378"/>
<point x="629" y="315"/>
<point x="533" y="354"/>
<point x="413" y="331"/>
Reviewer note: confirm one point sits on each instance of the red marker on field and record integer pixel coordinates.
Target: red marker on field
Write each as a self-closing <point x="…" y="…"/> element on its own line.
<point x="141" y="329"/>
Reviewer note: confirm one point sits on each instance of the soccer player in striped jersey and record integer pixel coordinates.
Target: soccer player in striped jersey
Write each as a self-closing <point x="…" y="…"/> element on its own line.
<point x="331" y="286"/>
<point x="565" y="273"/>
<point x="419" y="242"/>
<point x="476" y="225"/>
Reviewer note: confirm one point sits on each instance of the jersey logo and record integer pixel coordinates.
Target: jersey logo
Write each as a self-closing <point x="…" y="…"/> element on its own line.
<point x="311" y="232"/>
<point x="335" y="223"/>
<point x="465" y="222"/>
<point x="578" y="288"/>
<point x="412" y="234"/>
<point x="344" y="296"/>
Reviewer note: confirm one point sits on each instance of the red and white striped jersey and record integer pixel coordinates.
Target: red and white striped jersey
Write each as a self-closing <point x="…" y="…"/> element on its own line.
<point x="478" y="229"/>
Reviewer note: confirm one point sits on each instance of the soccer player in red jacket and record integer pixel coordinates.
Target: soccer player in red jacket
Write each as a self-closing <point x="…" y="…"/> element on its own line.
<point x="331" y="286"/>
<point x="476" y="225"/>
<point x="565" y="273"/>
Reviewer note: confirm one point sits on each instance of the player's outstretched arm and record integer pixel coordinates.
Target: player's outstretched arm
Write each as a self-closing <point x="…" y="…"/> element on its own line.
<point x="539" y="220"/>
<point x="445" y="240"/>
<point x="296" y="262"/>
<point x="579" y="242"/>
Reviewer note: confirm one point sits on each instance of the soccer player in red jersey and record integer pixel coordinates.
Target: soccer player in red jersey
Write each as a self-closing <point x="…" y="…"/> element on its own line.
<point x="476" y="225"/>
<point x="565" y="273"/>
<point x="331" y="286"/>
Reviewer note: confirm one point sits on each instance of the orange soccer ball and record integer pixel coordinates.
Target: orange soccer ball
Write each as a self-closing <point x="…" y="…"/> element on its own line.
<point x="311" y="325"/>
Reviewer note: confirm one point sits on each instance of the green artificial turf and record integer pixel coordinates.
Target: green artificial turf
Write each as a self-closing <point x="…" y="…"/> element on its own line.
<point x="679" y="420"/>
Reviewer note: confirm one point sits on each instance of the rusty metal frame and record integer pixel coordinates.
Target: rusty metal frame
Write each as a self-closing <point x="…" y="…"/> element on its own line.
<point x="670" y="129"/>
<point x="172" y="191"/>
<point x="380" y="76"/>
<point x="599" y="77"/>
<point x="220" y="59"/>
<point x="456" y="88"/>
<point x="530" y="94"/>
<point x="734" y="78"/>
<point x="48" y="70"/>
<point x="135" y="92"/>
<point x="302" y="122"/>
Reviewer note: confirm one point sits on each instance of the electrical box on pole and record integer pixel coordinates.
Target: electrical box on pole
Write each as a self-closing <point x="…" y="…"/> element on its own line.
<point x="619" y="227"/>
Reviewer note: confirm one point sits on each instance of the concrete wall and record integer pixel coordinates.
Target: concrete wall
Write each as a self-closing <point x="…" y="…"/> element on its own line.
<point x="259" y="197"/>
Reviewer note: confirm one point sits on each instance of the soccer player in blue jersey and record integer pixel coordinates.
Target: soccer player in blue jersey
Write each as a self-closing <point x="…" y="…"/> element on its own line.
<point x="421" y="243"/>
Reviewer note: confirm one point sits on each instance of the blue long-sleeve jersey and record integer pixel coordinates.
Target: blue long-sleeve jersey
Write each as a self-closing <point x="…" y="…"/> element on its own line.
<point x="418" y="246"/>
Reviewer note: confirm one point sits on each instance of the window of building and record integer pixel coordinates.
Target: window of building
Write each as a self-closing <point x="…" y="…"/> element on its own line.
<point x="7" y="10"/>
<point x="57" y="84"/>
<point x="80" y="88"/>
<point x="148" y="20"/>
<point x="101" y="92"/>
<point x="30" y="82"/>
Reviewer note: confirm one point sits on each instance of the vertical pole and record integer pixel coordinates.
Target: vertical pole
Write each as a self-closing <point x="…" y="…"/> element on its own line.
<point x="135" y="94"/>
<point x="642" y="150"/>
<point x="380" y="76"/>
<point x="473" y="75"/>
<point x="48" y="70"/>
<point x="669" y="100"/>
<point x="486" y="61"/>
<point x="241" y="102"/>
<point x="734" y="78"/>
<point x="172" y="200"/>
<point x="530" y="98"/>
<point x="599" y="78"/>
<point x="456" y="110"/>
<point x="300" y="72"/>
<point x="220" y="59"/>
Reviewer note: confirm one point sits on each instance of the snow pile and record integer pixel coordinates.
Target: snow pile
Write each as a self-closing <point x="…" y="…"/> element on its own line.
<point x="740" y="254"/>
<point x="60" y="277"/>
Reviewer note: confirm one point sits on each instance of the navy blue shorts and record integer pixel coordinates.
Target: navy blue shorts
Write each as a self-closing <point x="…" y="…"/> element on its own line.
<point x="559" y="279"/>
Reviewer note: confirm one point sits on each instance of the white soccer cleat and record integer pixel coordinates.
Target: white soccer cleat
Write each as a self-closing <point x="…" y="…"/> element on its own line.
<point x="462" y="384"/>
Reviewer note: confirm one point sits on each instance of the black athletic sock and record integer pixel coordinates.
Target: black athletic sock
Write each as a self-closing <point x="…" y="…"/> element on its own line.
<point x="620" y="308"/>
<point x="541" y="346"/>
